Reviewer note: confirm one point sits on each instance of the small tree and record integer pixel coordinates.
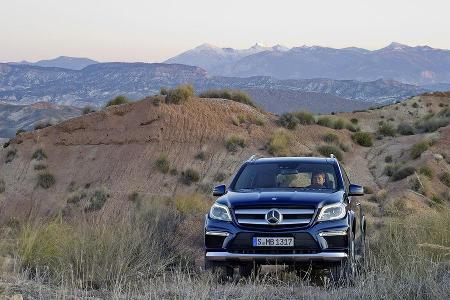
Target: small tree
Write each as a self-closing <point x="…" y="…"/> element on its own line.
<point x="118" y="101"/>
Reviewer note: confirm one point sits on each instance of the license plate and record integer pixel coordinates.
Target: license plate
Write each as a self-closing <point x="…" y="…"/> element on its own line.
<point x="273" y="242"/>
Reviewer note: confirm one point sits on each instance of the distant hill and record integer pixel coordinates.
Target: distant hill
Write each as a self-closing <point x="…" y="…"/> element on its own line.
<point x="415" y="65"/>
<point x="26" y="117"/>
<point x="65" y="62"/>
<point x="98" y="83"/>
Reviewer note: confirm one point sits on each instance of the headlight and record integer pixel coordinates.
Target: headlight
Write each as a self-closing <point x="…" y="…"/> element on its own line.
<point x="220" y="212"/>
<point x="332" y="212"/>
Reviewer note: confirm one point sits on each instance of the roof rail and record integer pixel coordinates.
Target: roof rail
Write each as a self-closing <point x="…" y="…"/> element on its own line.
<point x="253" y="157"/>
<point x="332" y="156"/>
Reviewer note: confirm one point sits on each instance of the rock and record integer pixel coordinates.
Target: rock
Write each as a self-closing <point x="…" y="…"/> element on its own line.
<point x="438" y="157"/>
<point x="16" y="297"/>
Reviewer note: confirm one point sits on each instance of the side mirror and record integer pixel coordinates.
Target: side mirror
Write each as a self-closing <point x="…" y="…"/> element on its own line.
<point x="220" y="190"/>
<point x="355" y="190"/>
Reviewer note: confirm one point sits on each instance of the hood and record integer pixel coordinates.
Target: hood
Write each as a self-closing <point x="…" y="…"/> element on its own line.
<point x="279" y="198"/>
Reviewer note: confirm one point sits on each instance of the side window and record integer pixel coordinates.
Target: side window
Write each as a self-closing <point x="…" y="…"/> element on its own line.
<point x="346" y="180"/>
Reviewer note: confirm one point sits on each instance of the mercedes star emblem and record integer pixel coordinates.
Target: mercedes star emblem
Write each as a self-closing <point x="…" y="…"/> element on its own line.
<point x="273" y="217"/>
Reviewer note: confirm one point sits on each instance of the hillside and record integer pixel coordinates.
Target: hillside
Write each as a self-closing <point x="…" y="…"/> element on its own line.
<point x="116" y="149"/>
<point x="26" y="117"/>
<point x="65" y="62"/>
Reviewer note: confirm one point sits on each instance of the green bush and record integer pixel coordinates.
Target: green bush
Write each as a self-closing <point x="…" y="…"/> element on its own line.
<point x="179" y="94"/>
<point x="88" y="110"/>
<point x="426" y="171"/>
<point x="354" y="121"/>
<point x="386" y="129"/>
<point x="419" y="148"/>
<point x="432" y="123"/>
<point x="405" y="129"/>
<point x="362" y="138"/>
<point x="388" y="158"/>
<point x="76" y="197"/>
<point x="304" y="117"/>
<point x="445" y="178"/>
<point x="189" y="176"/>
<point x="331" y="138"/>
<point x="39" y="154"/>
<point x="2" y="186"/>
<point x="163" y="91"/>
<point x="234" y="142"/>
<point x="46" y="180"/>
<point x="288" y="120"/>
<point x="351" y="127"/>
<point x="402" y="173"/>
<point x="390" y="169"/>
<point x="162" y="164"/>
<point x="234" y="95"/>
<point x="339" y="124"/>
<point x="325" y="121"/>
<point x="117" y="101"/>
<point x="280" y="143"/>
<point x="328" y="149"/>
<point x="97" y="200"/>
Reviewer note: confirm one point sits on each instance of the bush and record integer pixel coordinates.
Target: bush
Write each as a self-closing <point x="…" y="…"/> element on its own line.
<point x="88" y="110"/>
<point x="405" y="129"/>
<point x="201" y="155"/>
<point x="351" y="127"/>
<point x="304" y="117"/>
<point x="46" y="180"/>
<point x="40" y="167"/>
<point x="234" y="142"/>
<point x="419" y="148"/>
<point x="368" y="190"/>
<point x="162" y="164"/>
<point x="39" y="154"/>
<point x="402" y="173"/>
<point x="163" y="91"/>
<point x="42" y="125"/>
<point x="259" y="121"/>
<point x="339" y="124"/>
<point x="280" y="143"/>
<point x="97" y="200"/>
<point x="327" y="150"/>
<point x="234" y="95"/>
<point x="179" y="94"/>
<point x="325" y="121"/>
<point x="445" y="178"/>
<point x="288" y="120"/>
<point x="390" y="169"/>
<point x="386" y="129"/>
<point x="388" y="159"/>
<point x="2" y="186"/>
<point x="331" y="138"/>
<point x="432" y="123"/>
<point x="76" y="197"/>
<point x="220" y="177"/>
<point x="19" y="131"/>
<point x="134" y="197"/>
<point x="10" y="155"/>
<point x="189" y="176"/>
<point x="354" y="121"/>
<point x="362" y="138"/>
<point x="117" y="101"/>
<point x="426" y="171"/>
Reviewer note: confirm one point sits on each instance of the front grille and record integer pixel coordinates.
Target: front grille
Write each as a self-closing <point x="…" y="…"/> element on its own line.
<point x="243" y="241"/>
<point x="289" y="216"/>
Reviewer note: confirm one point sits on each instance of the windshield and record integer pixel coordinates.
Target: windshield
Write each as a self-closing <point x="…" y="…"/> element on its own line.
<point x="292" y="175"/>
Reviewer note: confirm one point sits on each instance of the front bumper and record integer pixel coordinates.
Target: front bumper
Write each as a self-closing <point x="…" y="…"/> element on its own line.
<point x="318" y="242"/>
<point x="322" y="257"/>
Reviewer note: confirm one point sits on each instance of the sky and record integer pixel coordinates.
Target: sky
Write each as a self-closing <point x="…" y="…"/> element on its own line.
<point x="155" y="30"/>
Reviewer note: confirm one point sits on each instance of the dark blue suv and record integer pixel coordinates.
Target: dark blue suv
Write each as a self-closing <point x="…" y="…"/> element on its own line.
<point x="297" y="211"/>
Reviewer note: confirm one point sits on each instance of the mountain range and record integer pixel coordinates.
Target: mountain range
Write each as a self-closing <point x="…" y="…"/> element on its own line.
<point x="98" y="83"/>
<point x="415" y="65"/>
<point x="65" y="62"/>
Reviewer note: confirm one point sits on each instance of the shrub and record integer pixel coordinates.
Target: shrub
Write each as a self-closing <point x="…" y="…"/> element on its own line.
<point x="179" y="94"/>
<point x="362" y="138"/>
<point x="163" y="91"/>
<point x="88" y="110"/>
<point x="432" y="123"/>
<point x="117" y="101"/>
<point x="46" y="180"/>
<point x="42" y="125"/>
<point x="354" y="121"/>
<point x="2" y="186"/>
<point x="386" y="129"/>
<point x="76" y="197"/>
<point x="325" y="121"/>
<point x="234" y="95"/>
<point x="280" y="143"/>
<point x="351" y="127"/>
<point x="40" y="167"/>
<point x="445" y="178"/>
<point x="331" y="138"/>
<point x="189" y="176"/>
<point x="419" y="148"/>
<point x="10" y="155"/>
<point x="339" y="124"/>
<point x="259" y="121"/>
<point x="390" y="169"/>
<point x="157" y="100"/>
<point x="368" y="190"/>
<point x="388" y="159"/>
<point x="426" y="171"/>
<point x="402" y="173"/>
<point x="328" y="149"/>
<point x="288" y="120"/>
<point x="220" y="176"/>
<point x="39" y="154"/>
<point x="201" y="155"/>
<point x="405" y="129"/>
<point x="192" y="204"/>
<point x="304" y="117"/>
<point x="162" y="164"/>
<point x="234" y="142"/>
<point x="19" y="131"/>
<point x="173" y="172"/>
<point x="97" y="200"/>
<point x="134" y="197"/>
<point x="415" y="105"/>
